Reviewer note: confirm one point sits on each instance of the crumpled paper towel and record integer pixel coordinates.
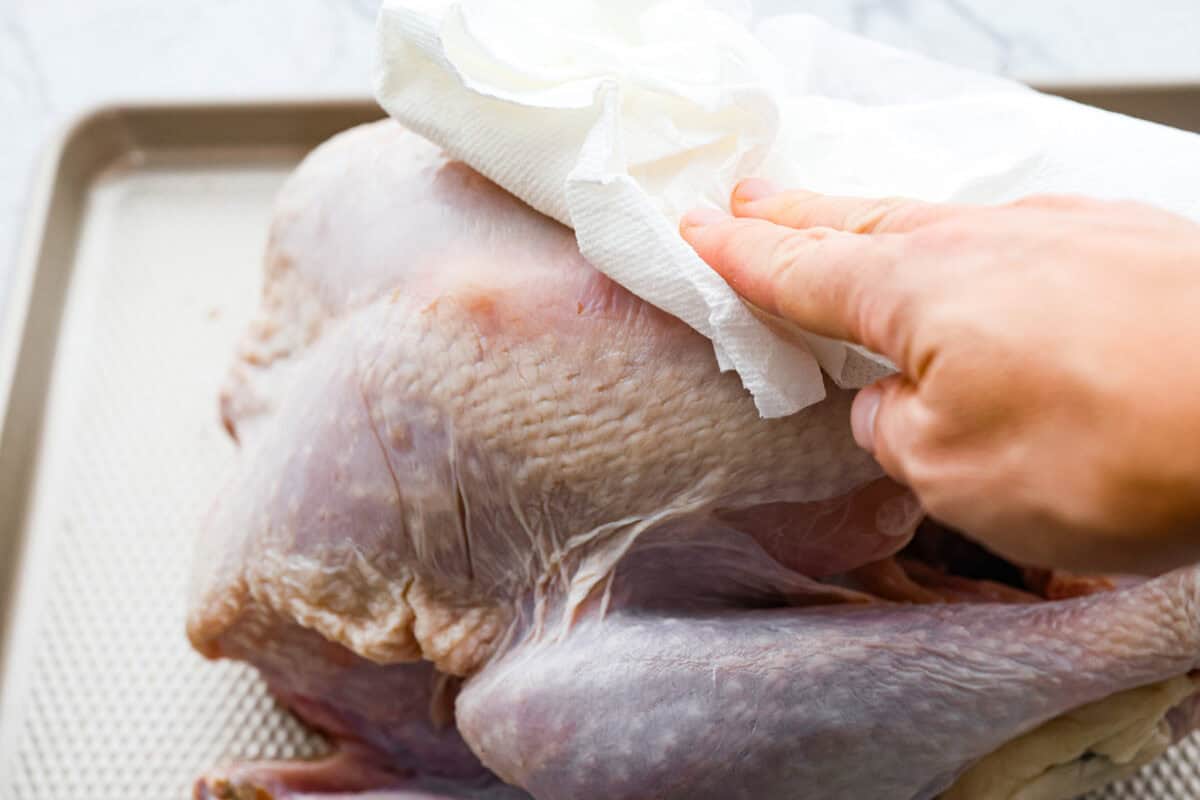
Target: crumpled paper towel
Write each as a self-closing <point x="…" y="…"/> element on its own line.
<point x="617" y="116"/>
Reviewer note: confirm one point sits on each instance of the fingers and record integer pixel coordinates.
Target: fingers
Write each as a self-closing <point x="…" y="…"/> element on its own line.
<point x="818" y="278"/>
<point x="883" y="420"/>
<point x="1119" y="212"/>
<point x="1060" y="202"/>
<point x="800" y="209"/>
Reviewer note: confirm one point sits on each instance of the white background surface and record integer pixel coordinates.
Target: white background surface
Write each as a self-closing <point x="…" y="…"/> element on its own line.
<point x="59" y="57"/>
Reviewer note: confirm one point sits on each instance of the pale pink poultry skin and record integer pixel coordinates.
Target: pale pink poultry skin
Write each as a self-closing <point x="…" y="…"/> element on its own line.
<point x="502" y="530"/>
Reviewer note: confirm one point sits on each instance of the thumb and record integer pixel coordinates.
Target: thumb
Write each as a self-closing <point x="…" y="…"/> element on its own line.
<point x="882" y="419"/>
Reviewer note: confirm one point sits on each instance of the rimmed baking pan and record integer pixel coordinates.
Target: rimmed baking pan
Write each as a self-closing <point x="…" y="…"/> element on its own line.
<point x="141" y="268"/>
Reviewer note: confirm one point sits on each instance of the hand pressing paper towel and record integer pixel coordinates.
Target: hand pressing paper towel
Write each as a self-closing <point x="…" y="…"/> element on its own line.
<point x="617" y="116"/>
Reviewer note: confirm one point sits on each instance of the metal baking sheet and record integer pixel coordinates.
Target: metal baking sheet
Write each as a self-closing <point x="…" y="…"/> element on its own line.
<point x="141" y="268"/>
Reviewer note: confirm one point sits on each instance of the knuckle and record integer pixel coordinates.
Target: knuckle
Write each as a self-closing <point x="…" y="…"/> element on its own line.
<point x="781" y="258"/>
<point x="817" y="234"/>
<point x="796" y="208"/>
<point x="883" y="308"/>
<point x="871" y="314"/>
<point x="1044" y="200"/>
<point x="1057" y="202"/>
<point x="878" y="215"/>
<point x="882" y="316"/>
<point x="780" y="270"/>
<point x="1129" y="208"/>
<point x="949" y="235"/>
<point x="835" y="286"/>
<point x="790" y="250"/>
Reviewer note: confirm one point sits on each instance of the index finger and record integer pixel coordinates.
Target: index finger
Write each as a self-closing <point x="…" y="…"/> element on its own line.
<point x="829" y="282"/>
<point x="797" y="208"/>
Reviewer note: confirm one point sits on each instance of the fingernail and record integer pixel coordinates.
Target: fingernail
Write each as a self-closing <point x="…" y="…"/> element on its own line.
<point x="753" y="189"/>
<point x="862" y="417"/>
<point x="700" y="217"/>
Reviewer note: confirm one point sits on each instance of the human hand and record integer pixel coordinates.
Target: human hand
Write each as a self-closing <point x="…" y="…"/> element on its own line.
<point x="1048" y="401"/>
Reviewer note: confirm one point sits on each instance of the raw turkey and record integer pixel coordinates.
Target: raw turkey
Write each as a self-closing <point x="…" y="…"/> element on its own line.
<point x="501" y="530"/>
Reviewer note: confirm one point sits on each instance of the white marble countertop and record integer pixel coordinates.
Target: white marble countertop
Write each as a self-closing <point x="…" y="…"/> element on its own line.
<point x="60" y="57"/>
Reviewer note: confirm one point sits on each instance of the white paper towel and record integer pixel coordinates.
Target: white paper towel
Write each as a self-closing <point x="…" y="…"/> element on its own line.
<point x="617" y="116"/>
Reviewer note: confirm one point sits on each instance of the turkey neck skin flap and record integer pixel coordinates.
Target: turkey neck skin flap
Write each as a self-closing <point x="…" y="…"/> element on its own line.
<point x="500" y="529"/>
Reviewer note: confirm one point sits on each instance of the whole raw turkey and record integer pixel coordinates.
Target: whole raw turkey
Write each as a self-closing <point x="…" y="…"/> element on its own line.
<point x="500" y="529"/>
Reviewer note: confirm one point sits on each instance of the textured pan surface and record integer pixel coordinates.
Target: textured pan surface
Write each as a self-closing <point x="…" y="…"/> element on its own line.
<point x="141" y="270"/>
